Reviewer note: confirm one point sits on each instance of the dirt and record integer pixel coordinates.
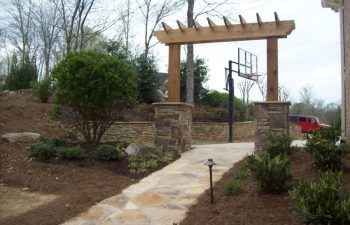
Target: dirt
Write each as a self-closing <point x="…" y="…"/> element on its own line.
<point x="34" y="192"/>
<point x="250" y="207"/>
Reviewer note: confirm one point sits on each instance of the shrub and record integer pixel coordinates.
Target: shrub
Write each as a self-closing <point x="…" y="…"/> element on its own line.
<point x="322" y="146"/>
<point x="142" y="164"/>
<point x="233" y="187"/>
<point x="55" y="112"/>
<point x="43" y="150"/>
<point x="277" y="144"/>
<point x="108" y="152"/>
<point x="71" y="153"/>
<point x="44" y="89"/>
<point x="321" y="202"/>
<point x="97" y="87"/>
<point x="270" y="173"/>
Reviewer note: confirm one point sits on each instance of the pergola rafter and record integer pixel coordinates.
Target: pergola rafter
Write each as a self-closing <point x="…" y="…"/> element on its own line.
<point x="243" y="31"/>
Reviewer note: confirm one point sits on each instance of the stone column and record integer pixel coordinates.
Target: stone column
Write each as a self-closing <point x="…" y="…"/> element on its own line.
<point x="173" y="123"/>
<point x="270" y="117"/>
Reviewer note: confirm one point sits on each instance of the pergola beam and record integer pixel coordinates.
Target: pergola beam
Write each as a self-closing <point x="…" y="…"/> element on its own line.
<point x="221" y="33"/>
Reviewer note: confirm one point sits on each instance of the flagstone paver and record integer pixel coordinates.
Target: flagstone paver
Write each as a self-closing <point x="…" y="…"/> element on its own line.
<point x="164" y="197"/>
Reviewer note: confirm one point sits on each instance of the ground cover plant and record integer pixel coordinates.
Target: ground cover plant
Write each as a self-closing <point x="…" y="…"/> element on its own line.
<point x="321" y="201"/>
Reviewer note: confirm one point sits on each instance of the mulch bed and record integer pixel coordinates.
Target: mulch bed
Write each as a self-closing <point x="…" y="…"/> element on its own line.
<point x="252" y="208"/>
<point x="79" y="184"/>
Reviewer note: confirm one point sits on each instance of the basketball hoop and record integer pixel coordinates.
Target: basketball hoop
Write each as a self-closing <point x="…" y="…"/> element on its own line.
<point x="255" y="76"/>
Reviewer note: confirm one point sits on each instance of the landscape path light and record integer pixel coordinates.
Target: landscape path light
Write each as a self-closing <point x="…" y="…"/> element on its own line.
<point x="210" y="163"/>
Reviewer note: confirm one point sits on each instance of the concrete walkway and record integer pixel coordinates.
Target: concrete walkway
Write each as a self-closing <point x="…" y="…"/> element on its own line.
<point x="164" y="197"/>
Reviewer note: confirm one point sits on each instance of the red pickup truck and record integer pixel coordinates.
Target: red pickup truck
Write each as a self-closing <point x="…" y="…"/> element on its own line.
<point x="307" y="123"/>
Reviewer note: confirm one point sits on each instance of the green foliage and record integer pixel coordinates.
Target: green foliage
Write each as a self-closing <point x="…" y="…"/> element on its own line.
<point x="21" y="73"/>
<point x="97" y="87"/>
<point x="200" y="76"/>
<point x="44" y="150"/>
<point x="233" y="187"/>
<point x="108" y="152"/>
<point x="71" y="153"/>
<point x="143" y="164"/>
<point x="270" y="173"/>
<point x="322" y="146"/>
<point x="277" y="144"/>
<point x="124" y="143"/>
<point x="55" y="112"/>
<point x="321" y="202"/>
<point x="148" y="79"/>
<point x="115" y="48"/>
<point x="337" y="122"/>
<point x="44" y="89"/>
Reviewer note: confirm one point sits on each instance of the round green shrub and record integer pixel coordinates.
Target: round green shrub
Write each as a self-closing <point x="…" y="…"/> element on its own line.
<point x="108" y="152"/>
<point x="71" y="153"/>
<point x="270" y="173"/>
<point x="277" y="144"/>
<point x="97" y="87"/>
<point x="43" y="150"/>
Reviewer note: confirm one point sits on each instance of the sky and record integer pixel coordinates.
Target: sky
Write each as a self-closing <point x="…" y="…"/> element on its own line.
<point x="308" y="57"/>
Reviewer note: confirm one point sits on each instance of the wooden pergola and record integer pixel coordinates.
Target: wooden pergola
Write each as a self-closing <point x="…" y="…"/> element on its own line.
<point x="270" y="31"/>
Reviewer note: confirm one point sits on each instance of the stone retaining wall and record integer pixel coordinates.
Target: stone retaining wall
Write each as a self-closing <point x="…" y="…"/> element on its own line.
<point x="202" y="131"/>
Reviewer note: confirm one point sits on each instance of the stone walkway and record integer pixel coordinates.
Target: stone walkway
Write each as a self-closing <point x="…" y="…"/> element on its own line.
<point x="164" y="197"/>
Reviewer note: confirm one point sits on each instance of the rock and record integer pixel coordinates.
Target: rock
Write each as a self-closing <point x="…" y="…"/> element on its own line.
<point x="6" y="91"/>
<point x="138" y="149"/>
<point x="21" y="137"/>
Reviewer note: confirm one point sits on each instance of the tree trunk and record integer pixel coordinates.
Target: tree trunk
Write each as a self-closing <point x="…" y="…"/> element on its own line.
<point x="190" y="60"/>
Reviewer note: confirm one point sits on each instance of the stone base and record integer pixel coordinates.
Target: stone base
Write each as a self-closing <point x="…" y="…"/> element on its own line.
<point x="270" y="117"/>
<point x="173" y="123"/>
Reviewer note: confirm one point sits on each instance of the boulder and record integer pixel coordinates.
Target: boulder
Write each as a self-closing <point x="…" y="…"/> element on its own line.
<point x="138" y="149"/>
<point x="21" y="137"/>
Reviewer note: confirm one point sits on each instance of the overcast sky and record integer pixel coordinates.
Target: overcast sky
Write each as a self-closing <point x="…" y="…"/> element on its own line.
<point x="310" y="56"/>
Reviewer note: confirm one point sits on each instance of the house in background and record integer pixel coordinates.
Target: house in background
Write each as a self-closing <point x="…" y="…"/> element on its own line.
<point x="343" y="7"/>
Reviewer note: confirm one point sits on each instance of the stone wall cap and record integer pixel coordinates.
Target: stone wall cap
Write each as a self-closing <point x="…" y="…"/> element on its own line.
<point x="173" y="103"/>
<point x="272" y="102"/>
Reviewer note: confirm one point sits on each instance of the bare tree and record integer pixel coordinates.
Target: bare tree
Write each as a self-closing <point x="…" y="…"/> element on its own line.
<point x="126" y="13"/>
<point x="20" y="29"/>
<point x="244" y="87"/>
<point x="283" y="93"/>
<point x="206" y="7"/>
<point x="47" y="21"/>
<point x="190" y="57"/>
<point x="262" y="85"/>
<point x="153" y="12"/>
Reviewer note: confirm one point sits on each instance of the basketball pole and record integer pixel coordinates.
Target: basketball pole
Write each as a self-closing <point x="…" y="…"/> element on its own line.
<point x="231" y="94"/>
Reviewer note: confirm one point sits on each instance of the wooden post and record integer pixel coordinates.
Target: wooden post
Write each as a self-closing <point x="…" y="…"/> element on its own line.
<point x="174" y="73"/>
<point x="272" y="69"/>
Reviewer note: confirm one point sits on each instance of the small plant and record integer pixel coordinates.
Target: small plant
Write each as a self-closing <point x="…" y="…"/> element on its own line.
<point x="242" y="174"/>
<point x="233" y="187"/>
<point x="43" y="150"/>
<point x="277" y="144"/>
<point x="55" y="112"/>
<point x="143" y="164"/>
<point x="322" y="146"/>
<point x="167" y="157"/>
<point x="124" y="143"/>
<point x="71" y="153"/>
<point x="321" y="202"/>
<point x="270" y="173"/>
<point x="58" y="142"/>
<point x="108" y="152"/>
<point x="71" y="135"/>
<point x="44" y="89"/>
